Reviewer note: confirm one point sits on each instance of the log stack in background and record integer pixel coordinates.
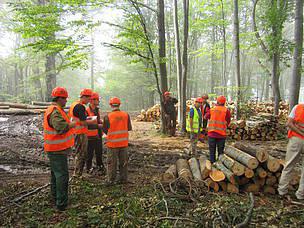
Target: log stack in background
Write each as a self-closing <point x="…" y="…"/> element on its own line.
<point x="242" y="167"/>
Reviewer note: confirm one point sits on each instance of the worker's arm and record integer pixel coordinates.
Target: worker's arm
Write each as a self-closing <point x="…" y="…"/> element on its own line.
<point x="292" y="125"/>
<point x="207" y="113"/>
<point x="57" y="121"/>
<point x="80" y="112"/>
<point x="106" y="124"/>
<point x="191" y="119"/>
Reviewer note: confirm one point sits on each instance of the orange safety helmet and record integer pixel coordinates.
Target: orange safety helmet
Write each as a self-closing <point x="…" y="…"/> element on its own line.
<point x="221" y="99"/>
<point x="199" y="100"/>
<point x="94" y="96"/>
<point x="114" y="101"/>
<point x="205" y="96"/>
<point x="167" y="93"/>
<point x="86" y="92"/>
<point x="60" y="92"/>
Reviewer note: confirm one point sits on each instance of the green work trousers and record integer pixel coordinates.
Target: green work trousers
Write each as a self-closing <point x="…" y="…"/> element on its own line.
<point x="59" y="178"/>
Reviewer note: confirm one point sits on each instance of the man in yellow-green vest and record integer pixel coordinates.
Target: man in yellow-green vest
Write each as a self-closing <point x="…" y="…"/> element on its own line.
<point x="194" y="124"/>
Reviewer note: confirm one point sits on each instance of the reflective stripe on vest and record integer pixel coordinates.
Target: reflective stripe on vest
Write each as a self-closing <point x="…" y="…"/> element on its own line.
<point x="91" y="132"/>
<point x="79" y="128"/>
<point x="52" y="140"/>
<point x="217" y="122"/>
<point x="195" y="122"/>
<point x="299" y="119"/>
<point x="118" y="135"/>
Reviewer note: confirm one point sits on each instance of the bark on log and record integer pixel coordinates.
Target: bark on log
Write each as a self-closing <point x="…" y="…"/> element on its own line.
<point x="236" y="167"/>
<point x="273" y="164"/>
<point x="259" y="181"/>
<point x="246" y="159"/>
<point x="231" y="188"/>
<point x="4" y="107"/>
<point x="170" y="174"/>
<point x="269" y="189"/>
<point x="216" y="175"/>
<point x="252" y="188"/>
<point x="194" y="166"/>
<point x="212" y="185"/>
<point x="41" y="103"/>
<point x="228" y="174"/>
<point x="19" y="112"/>
<point x="259" y="154"/>
<point x="183" y="169"/>
<point x="223" y="185"/>
<point x="243" y="180"/>
<point x="249" y="173"/>
<point x="14" y="105"/>
<point x="205" y="166"/>
<point x="261" y="172"/>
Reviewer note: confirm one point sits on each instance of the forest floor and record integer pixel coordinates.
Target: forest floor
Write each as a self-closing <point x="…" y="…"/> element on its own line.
<point x="142" y="203"/>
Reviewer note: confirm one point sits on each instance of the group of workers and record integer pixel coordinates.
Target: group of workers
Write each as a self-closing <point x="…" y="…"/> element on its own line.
<point x="80" y="132"/>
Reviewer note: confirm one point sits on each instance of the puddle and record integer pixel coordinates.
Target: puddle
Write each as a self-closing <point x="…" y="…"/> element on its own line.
<point x="3" y="119"/>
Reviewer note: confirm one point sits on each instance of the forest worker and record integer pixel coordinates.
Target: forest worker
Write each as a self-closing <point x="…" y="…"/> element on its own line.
<point x="219" y="119"/>
<point x="194" y="124"/>
<point x="58" y="140"/>
<point x="205" y="108"/>
<point x="116" y="125"/>
<point x="170" y="113"/>
<point x="95" y="136"/>
<point x="295" y="147"/>
<point x="78" y="113"/>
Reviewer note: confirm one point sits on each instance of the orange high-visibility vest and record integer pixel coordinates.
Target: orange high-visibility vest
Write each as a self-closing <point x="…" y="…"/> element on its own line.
<point x="52" y="140"/>
<point x="299" y="118"/>
<point x="118" y="135"/>
<point x="217" y="122"/>
<point x="93" y="132"/>
<point x="79" y="128"/>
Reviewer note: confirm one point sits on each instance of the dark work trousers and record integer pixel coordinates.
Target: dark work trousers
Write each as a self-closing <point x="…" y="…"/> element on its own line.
<point x="171" y="123"/>
<point x="213" y="143"/>
<point x="94" y="145"/>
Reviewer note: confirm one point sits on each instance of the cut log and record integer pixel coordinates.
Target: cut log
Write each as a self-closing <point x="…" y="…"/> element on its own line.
<point x="36" y="107"/>
<point x="231" y="188"/>
<point x="269" y="189"/>
<point x="183" y="169"/>
<point x="243" y="180"/>
<point x="14" y="105"/>
<point x="205" y="166"/>
<point x="223" y="185"/>
<point x="212" y="185"/>
<point x="246" y="159"/>
<point x="271" y="180"/>
<point x="194" y="166"/>
<point x="278" y="175"/>
<point x="216" y="175"/>
<point x="252" y="188"/>
<point x="4" y="107"/>
<point x="295" y="177"/>
<point x="228" y="174"/>
<point x="259" y="154"/>
<point x="261" y="172"/>
<point x="273" y="164"/>
<point x="19" y="112"/>
<point x="249" y="173"/>
<point x="259" y="181"/>
<point x="236" y="167"/>
<point x="170" y="174"/>
<point x="41" y="103"/>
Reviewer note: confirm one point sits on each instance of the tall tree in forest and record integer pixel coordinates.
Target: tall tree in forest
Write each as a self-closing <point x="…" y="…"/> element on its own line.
<point x="178" y="59"/>
<point x="236" y="43"/>
<point x="295" y="81"/>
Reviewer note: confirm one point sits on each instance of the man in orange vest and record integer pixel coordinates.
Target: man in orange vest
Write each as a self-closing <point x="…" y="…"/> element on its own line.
<point x="116" y="125"/>
<point x="58" y="140"/>
<point x="219" y="118"/>
<point x="78" y="113"/>
<point x="295" y="147"/>
<point x="94" y="136"/>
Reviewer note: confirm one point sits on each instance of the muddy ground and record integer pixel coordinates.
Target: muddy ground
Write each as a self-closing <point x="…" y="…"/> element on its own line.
<point x="142" y="203"/>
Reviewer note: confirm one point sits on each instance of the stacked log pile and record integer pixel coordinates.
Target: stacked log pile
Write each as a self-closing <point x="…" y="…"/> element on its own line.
<point x="264" y="127"/>
<point x="241" y="168"/>
<point x="9" y="108"/>
<point x="268" y="107"/>
<point x="151" y="115"/>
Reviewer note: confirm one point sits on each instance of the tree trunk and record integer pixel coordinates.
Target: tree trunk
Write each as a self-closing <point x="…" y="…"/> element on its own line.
<point x="50" y="71"/>
<point x="178" y="62"/>
<point x="295" y="81"/>
<point x="259" y="154"/>
<point x="236" y="43"/>
<point x="185" y="64"/>
<point x="224" y="82"/>
<point x="212" y="76"/>
<point x="246" y="159"/>
<point x="92" y="61"/>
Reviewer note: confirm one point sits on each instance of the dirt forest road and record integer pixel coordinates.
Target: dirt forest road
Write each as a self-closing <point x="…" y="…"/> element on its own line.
<point x="142" y="203"/>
